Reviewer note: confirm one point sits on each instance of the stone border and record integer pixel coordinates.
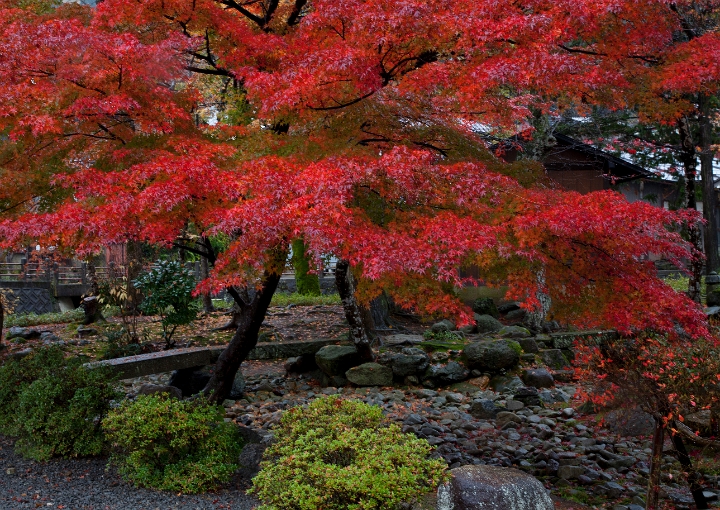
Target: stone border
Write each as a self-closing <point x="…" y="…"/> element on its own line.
<point x="176" y="359"/>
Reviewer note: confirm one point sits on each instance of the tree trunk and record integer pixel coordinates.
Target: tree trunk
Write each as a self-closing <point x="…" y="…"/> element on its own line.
<point x="689" y="162"/>
<point x="693" y="477"/>
<point x="250" y="317"/>
<point x="2" y="320"/>
<point x="712" y="259"/>
<point x="653" y="493"/>
<point x="206" y="297"/>
<point x="91" y="304"/>
<point x="345" y="282"/>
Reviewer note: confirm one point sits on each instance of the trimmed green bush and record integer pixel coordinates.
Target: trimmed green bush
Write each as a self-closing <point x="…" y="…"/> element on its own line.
<point x="54" y="406"/>
<point x="340" y="455"/>
<point x="177" y="445"/>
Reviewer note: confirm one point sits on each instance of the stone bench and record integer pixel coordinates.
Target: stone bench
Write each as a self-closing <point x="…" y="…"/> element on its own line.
<point x="176" y="359"/>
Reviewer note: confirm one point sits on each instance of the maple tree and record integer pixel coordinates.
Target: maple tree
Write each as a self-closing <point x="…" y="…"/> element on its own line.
<point x="351" y="125"/>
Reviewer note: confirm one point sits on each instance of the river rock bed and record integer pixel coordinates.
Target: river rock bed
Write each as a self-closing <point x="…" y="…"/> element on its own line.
<point x="567" y="450"/>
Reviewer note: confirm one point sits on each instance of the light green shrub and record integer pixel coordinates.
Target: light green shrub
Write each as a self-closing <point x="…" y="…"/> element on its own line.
<point x="170" y="444"/>
<point x="340" y="455"/>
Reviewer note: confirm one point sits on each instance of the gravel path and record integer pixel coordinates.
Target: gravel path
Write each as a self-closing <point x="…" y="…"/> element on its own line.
<point x="85" y="484"/>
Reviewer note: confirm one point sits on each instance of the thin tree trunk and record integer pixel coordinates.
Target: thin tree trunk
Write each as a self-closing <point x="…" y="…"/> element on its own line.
<point x="250" y="318"/>
<point x="345" y="282"/>
<point x="206" y="297"/>
<point x="693" y="477"/>
<point x="712" y="262"/>
<point x="689" y="166"/>
<point x="2" y="319"/>
<point x="653" y="493"/>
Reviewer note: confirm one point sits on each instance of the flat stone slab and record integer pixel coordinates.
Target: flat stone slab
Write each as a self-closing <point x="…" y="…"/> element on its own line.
<point x="158" y="362"/>
<point x="176" y="359"/>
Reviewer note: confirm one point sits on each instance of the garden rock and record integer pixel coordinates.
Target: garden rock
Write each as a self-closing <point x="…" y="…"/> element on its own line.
<point x="629" y="422"/>
<point x="538" y="378"/>
<point x="506" y="383"/>
<point x="528" y="396"/>
<point x="554" y="358"/>
<point x="191" y="380"/>
<point x="492" y="488"/>
<point x="153" y="389"/>
<point x="441" y="375"/>
<point x="483" y="409"/>
<point x="402" y="340"/>
<point x="238" y="387"/>
<point x="506" y="308"/>
<point x="487" y="323"/>
<point x="491" y="356"/>
<point x="335" y="360"/>
<point x="300" y="364"/>
<point x="518" y="315"/>
<point x="485" y="306"/>
<point x="554" y="396"/>
<point x="48" y="338"/>
<point x="443" y="326"/>
<point x="24" y="333"/>
<point x="514" y="332"/>
<point x="529" y="345"/>
<point x="410" y="361"/>
<point x="250" y="458"/>
<point x="370" y="374"/>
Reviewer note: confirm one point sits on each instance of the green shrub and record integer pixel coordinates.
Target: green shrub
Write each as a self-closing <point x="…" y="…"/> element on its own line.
<point x="339" y="454"/>
<point x="53" y="405"/>
<point x="168" y="293"/>
<point x="171" y="444"/>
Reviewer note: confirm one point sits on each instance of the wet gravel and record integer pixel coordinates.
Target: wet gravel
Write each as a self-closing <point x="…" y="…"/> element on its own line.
<point x="85" y="484"/>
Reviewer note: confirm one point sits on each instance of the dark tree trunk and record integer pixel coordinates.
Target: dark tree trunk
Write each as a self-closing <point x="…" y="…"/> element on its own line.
<point x="91" y="304"/>
<point x="712" y="259"/>
<point x="250" y="317"/>
<point x="345" y="282"/>
<point x="693" y="477"/>
<point x="653" y="493"/>
<point x="2" y="319"/>
<point x="206" y="298"/>
<point x="689" y="162"/>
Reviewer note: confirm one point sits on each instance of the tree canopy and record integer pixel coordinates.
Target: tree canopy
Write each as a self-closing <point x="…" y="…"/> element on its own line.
<point x="356" y="125"/>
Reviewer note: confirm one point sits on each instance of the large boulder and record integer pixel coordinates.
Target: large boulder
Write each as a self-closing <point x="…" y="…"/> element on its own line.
<point x="487" y="323"/>
<point x="485" y="306"/>
<point x="492" y="488"/>
<point x="506" y="383"/>
<point x="492" y="356"/>
<point x="336" y="359"/>
<point x="370" y="374"/>
<point x="411" y="361"/>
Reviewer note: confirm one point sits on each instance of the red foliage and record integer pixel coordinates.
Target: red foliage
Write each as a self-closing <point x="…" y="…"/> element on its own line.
<point x="380" y="164"/>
